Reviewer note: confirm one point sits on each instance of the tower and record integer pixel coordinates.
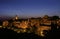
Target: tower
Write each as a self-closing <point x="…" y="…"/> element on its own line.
<point x="16" y="17"/>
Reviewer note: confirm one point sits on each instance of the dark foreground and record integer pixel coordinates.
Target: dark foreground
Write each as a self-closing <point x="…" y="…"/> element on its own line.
<point x="9" y="34"/>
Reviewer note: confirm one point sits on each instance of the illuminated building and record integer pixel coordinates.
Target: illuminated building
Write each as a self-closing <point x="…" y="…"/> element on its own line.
<point x="5" y="23"/>
<point x="58" y="23"/>
<point x="16" y="24"/>
<point x="16" y="17"/>
<point x="46" y="20"/>
<point x="41" y="29"/>
<point x="24" y="24"/>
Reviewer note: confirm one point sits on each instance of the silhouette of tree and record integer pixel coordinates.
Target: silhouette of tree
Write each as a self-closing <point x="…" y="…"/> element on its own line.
<point x="55" y="17"/>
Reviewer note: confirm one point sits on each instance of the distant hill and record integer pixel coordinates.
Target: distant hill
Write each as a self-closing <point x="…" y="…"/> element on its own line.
<point x="5" y="18"/>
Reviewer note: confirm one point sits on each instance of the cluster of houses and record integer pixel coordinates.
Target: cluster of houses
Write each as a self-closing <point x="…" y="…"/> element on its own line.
<point x="39" y="24"/>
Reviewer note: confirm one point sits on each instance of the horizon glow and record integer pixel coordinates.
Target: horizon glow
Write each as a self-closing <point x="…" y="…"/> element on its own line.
<point x="29" y="8"/>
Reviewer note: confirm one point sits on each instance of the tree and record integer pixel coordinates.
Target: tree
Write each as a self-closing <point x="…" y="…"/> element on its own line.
<point x="46" y="16"/>
<point x="55" y="17"/>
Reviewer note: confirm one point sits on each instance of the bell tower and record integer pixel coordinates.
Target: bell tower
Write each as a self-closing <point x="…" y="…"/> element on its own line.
<point x="16" y="17"/>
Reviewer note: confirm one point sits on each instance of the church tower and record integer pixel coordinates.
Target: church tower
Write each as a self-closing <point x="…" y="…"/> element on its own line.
<point x="16" y="17"/>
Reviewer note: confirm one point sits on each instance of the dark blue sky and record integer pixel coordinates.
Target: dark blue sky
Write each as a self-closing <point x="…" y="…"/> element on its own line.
<point x="29" y="8"/>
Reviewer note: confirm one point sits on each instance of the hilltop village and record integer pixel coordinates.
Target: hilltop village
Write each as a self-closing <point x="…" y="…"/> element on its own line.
<point x="38" y="25"/>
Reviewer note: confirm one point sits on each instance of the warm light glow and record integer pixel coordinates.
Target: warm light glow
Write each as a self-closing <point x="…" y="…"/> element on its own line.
<point x="8" y="27"/>
<point x="15" y="29"/>
<point x="16" y="17"/>
<point x="12" y="28"/>
<point x="24" y="30"/>
<point x="41" y="29"/>
<point x="57" y="27"/>
<point x="0" y="26"/>
<point x="18" y="31"/>
<point x="5" y="23"/>
<point x="42" y="33"/>
<point x="24" y="25"/>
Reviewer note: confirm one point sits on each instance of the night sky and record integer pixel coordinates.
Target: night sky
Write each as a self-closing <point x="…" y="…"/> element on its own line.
<point x="29" y="8"/>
